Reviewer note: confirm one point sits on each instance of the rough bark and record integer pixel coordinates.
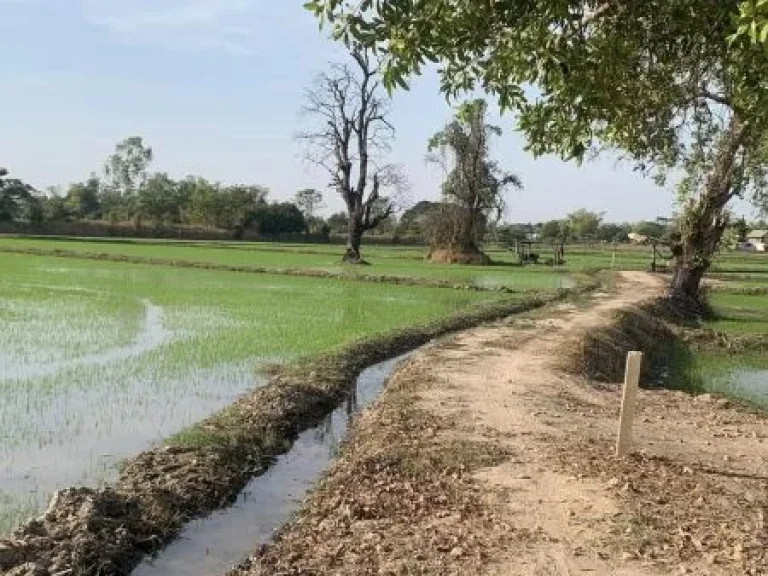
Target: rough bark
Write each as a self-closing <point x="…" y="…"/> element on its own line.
<point x="354" y="240"/>
<point x="704" y="220"/>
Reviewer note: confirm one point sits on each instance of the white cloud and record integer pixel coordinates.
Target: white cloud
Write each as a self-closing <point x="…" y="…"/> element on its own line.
<point x="236" y="26"/>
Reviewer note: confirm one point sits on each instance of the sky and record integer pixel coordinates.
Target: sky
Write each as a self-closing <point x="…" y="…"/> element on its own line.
<point x="216" y="87"/>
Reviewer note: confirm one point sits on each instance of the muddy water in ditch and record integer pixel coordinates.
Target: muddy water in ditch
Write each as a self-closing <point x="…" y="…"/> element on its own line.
<point x="217" y="543"/>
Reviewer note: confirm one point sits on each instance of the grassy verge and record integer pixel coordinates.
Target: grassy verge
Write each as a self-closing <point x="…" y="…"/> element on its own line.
<point x="727" y="353"/>
<point x="88" y="531"/>
<point x="696" y="358"/>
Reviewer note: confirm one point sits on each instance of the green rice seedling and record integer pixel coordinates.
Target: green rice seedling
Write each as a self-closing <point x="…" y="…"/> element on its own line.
<point x="103" y="359"/>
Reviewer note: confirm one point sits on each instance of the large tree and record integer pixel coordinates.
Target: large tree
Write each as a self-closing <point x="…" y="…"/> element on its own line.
<point x="309" y="202"/>
<point x="474" y="186"/>
<point x="126" y="171"/>
<point x="673" y="84"/>
<point x="350" y="139"/>
<point x="584" y="223"/>
<point x="159" y="200"/>
<point x="82" y="199"/>
<point x="15" y="195"/>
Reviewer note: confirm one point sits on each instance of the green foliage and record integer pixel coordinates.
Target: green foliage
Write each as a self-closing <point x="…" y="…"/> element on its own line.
<point x="608" y="232"/>
<point x="509" y="234"/>
<point x="584" y="224"/>
<point x="309" y="201"/>
<point x="603" y="73"/>
<point x="672" y="84"/>
<point x="15" y="198"/>
<point x="83" y="199"/>
<point x="158" y="199"/>
<point x="126" y="169"/>
<point x="413" y="222"/>
<point x="649" y="229"/>
<point x="474" y="185"/>
<point x="338" y="222"/>
<point x="556" y="231"/>
<point x="277" y="218"/>
<point x="752" y="23"/>
<point x="740" y="228"/>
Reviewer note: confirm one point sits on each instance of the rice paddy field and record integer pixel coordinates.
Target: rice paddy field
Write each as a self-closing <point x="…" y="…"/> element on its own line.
<point x="102" y="359"/>
<point x="402" y="262"/>
<point x="99" y="360"/>
<point x="739" y="308"/>
<point x="741" y="374"/>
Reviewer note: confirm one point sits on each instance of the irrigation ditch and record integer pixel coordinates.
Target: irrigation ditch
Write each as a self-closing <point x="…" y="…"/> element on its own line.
<point x="88" y="531"/>
<point x="216" y="543"/>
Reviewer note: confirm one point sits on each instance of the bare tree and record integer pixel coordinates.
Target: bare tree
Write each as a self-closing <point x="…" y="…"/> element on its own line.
<point x="351" y="137"/>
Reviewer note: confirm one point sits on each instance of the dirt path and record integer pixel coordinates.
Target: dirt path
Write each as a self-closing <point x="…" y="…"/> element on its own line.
<point x="484" y="457"/>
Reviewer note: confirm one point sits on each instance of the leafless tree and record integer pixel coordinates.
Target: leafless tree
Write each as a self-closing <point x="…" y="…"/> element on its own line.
<point x="351" y="136"/>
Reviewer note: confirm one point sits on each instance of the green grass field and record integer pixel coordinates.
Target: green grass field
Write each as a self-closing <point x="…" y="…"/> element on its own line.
<point x="101" y="359"/>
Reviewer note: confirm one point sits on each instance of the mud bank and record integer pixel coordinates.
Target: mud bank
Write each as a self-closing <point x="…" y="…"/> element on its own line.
<point x="218" y="542"/>
<point x="652" y="327"/>
<point x="86" y="531"/>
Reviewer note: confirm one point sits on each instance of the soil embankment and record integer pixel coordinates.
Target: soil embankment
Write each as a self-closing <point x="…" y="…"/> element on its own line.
<point x="492" y="453"/>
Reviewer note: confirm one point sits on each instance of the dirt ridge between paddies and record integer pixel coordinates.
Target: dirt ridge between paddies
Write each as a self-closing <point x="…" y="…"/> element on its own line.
<point x="108" y="531"/>
<point x="301" y="272"/>
<point x="487" y="454"/>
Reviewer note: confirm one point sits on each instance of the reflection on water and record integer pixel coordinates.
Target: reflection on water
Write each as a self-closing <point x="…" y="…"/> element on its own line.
<point x="749" y="384"/>
<point x="151" y="335"/>
<point x="214" y="544"/>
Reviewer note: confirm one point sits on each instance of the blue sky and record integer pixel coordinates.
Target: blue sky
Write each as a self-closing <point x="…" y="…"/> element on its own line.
<point x="215" y="87"/>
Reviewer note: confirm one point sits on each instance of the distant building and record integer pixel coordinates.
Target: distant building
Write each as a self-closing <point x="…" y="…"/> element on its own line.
<point x="759" y="239"/>
<point x="637" y="238"/>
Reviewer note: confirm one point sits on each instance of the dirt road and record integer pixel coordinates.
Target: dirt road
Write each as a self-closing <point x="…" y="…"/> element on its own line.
<point x="484" y="457"/>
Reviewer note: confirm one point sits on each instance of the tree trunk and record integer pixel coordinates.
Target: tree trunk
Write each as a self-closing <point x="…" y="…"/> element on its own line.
<point x="354" y="239"/>
<point x="464" y="240"/>
<point x="704" y="220"/>
<point x="686" y="282"/>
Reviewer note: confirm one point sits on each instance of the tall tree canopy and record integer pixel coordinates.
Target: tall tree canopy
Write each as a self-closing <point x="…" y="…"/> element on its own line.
<point x="309" y="202"/>
<point x="673" y="84"/>
<point x="584" y="224"/>
<point x="15" y="195"/>
<point x="126" y="169"/>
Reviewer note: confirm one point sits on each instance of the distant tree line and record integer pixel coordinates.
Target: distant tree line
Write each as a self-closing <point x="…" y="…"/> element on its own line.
<point x="128" y="192"/>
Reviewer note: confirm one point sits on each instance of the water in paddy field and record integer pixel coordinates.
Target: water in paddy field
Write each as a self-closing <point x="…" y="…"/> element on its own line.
<point x="75" y="400"/>
<point x="748" y="384"/>
<point x="217" y="543"/>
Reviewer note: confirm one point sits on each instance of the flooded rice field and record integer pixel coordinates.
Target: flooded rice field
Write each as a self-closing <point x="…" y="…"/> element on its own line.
<point x="99" y="360"/>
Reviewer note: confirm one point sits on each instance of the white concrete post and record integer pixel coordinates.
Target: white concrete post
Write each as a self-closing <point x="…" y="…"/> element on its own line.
<point x="631" y="382"/>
